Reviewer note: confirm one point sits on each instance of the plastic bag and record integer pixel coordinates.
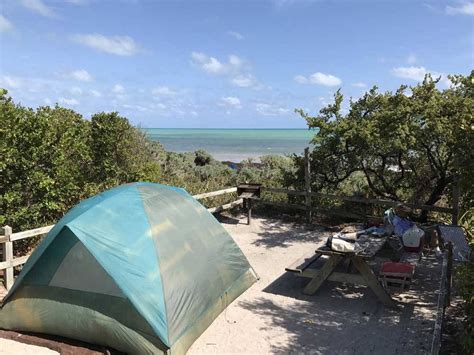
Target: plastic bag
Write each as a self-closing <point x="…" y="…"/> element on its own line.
<point x="412" y="237"/>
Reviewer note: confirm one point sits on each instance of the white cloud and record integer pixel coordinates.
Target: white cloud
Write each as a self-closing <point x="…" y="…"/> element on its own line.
<point x="244" y="81"/>
<point x="29" y="84"/>
<point x="236" y="35"/>
<point x="10" y="82"/>
<point x="324" y="79"/>
<point x="231" y="101"/>
<point x="359" y="85"/>
<point x="5" y="24"/>
<point x="324" y="101"/>
<point x="265" y="109"/>
<point x="96" y="93"/>
<point x="163" y="91"/>
<point x="319" y="79"/>
<point x="118" y="89"/>
<point x="418" y="74"/>
<point x="212" y="65"/>
<point x="68" y="101"/>
<point x="300" y="79"/>
<point x="76" y="91"/>
<point x="39" y="7"/>
<point x="413" y="73"/>
<point x="412" y="59"/>
<point x="80" y="75"/>
<point x="136" y="107"/>
<point x="160" y="105"/>
<point x="118" y="45"/>
<point x="466" y="8"/>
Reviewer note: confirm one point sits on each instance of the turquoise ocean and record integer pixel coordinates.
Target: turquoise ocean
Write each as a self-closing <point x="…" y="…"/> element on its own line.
<point x="233" y="144"/>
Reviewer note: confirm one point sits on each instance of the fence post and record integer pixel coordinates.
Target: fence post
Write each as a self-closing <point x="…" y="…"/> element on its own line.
<point x="449" y="274"/>
<point x="307" y="181"/>
<point x="455" y="200"/>
<point x="8" y="256"/>
<point x="249" y="211"/>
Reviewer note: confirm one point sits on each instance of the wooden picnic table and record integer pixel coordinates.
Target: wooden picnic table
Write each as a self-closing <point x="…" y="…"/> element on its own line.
<point x="366" y="248"/>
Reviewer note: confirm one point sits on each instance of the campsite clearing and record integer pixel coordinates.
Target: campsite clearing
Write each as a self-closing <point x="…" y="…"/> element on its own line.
<point x="275" y="316"/>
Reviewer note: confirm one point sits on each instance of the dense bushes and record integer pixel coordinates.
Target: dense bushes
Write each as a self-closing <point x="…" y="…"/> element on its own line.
<point x="464" y="278"/>
<point x="52" y="158"/>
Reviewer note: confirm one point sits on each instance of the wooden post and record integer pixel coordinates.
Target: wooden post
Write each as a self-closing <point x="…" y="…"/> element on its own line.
<point x="455" y="201"/>
<point x="307" y="181"/>
<point x="449" y="273"/>
<point x="249" y="211"/>
<point x="8" y="256"/>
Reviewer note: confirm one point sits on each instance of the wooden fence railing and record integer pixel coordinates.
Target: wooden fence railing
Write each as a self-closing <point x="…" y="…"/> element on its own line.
<point x="444" y="298"/>
<point x="309" y="194"/>
<point x="8" y="261"/>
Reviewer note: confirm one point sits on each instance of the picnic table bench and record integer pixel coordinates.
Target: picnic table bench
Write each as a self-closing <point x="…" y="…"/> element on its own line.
<point x="366" y="248"/>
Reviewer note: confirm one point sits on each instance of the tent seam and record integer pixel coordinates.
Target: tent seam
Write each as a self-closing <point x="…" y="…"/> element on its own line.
<point x="158" y="265"/>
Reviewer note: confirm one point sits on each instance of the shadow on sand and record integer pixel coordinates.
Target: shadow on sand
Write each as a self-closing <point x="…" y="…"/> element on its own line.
<point x="277" y="234"/>
<point x="348" y="319"/>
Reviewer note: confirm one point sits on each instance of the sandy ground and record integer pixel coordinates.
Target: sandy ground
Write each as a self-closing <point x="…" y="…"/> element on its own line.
<point x="10" y="347"/>
<point x="274" y="316"/>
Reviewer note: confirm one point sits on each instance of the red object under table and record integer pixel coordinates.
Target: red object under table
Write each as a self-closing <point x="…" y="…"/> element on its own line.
<point x="399" y="268"/>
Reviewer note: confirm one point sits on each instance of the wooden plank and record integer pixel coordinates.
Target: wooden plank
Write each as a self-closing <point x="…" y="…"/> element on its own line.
<point x="307" y="184"/>
<point x="215" y="193"/>
<point x="436" y="342"/>
<point x="30" y="233"/>
<point x="341" y="213"/>
<point x="322" y="274"/>
<point x="341" y="277"/>
<point x="284" y="191"/>
<point x="3" y="293"/>
<point x="386" y="203"/>
<point x="303" y="263"/>
<point x="283" y="204"/>
<point x="249" y="211"/>
<point x="449" y="272"/>
<point x="4" y="265"/>
<point x="372" y="281"/>
<point x="347" y="278"/>
<point x="226" y="206"/>
<point x="8" y="257"/>
<point x="15" y="262"/>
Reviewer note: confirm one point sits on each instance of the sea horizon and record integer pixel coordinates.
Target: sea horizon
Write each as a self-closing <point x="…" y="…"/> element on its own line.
<point x="233" y="144"/>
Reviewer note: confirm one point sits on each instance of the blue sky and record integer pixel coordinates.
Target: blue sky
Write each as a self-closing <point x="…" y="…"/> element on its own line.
<point x="224" y="63"/>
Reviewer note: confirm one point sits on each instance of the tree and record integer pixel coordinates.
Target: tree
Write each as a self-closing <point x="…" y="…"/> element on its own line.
<point x="408" y="147"/>
<point x="121" y="153"/>
<point x="202" y="158"/>
<point x="52" y="158"/>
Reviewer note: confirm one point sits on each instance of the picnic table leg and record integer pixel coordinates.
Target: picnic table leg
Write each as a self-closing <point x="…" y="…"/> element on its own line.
<point x="323" y="274"/>
<point x="372" y="281"/>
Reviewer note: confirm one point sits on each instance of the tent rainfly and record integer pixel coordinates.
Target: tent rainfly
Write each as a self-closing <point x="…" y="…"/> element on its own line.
<point x="142" y="268"/>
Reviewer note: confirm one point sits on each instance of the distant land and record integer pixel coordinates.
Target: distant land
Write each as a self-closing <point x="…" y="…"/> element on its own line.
<point x="233" y="144"/>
